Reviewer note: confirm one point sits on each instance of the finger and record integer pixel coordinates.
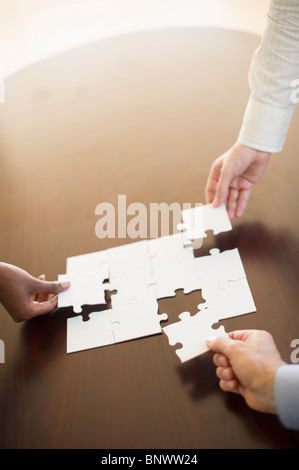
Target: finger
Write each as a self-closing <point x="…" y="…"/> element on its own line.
<point x="52" y="287"/>
<point x="222" y="190"/>
<point x="229" y="385"/>
<point x="225" y="373"/>
<point x="211" y="186"/>
<point x="44" y="307"/>
<point x="221" y="344"/>
<point x="242" y="202"/>
<point x="232" y="202"/>
<point x="220" y="360"/>
<point x="240" y="335"/>
<point x="40" y="297"/>
<point x="213" y="180"/>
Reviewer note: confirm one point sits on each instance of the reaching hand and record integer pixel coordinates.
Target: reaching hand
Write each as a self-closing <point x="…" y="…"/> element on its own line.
<point x="246" y="364"/>
<point x="232" y="177"/>
<point x="24" y="296"/>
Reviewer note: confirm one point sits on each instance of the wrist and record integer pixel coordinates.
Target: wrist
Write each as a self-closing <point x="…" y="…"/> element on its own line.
<point x="270" y="377"/>
<point x="253" y="151"/>
<point x="6" y="278"/>
<point x="3" y="270"/>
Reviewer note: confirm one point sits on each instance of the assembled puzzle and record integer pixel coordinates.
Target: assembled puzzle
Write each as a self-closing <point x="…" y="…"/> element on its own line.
<point x="140" y="273"/>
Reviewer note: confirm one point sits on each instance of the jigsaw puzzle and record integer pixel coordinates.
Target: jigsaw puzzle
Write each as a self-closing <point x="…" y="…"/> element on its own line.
<point x="138" y="274"/>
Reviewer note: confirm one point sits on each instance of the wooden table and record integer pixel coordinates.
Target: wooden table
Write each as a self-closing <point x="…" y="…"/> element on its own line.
<point x="143" y="115"/>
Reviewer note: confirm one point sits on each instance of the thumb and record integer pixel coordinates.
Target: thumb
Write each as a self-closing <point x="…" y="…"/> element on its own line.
<point x="55" y="287"/>
<point x="220" y="344"/>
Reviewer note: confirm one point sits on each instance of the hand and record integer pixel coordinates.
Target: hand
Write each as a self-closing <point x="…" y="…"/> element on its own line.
<point x="246" y="364"/>
<point x="24" y="296"/>
<point x="232" y="177"/>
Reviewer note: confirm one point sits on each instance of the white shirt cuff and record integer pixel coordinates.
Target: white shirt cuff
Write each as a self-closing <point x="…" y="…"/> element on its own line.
<point x="265" y="126"/>
<point x="286" y="395"/>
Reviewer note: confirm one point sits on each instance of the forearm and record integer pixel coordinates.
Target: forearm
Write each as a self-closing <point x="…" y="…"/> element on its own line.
<point x="5" y="278"/>
<point x="274" y="66"/>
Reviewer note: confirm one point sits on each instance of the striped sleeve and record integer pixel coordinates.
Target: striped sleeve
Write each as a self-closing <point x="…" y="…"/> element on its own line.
<point x="273" y="76"/>
<point x="286" y="393"/>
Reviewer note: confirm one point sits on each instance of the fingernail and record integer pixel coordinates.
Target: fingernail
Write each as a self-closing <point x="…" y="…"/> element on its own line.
<point x="210" y="340"/>
<point x="215" y="202"/>
<point x="65" y="284"/>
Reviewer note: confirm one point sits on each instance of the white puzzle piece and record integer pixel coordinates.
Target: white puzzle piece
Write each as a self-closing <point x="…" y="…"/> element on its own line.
<point x="192" y="332"/>
<point x="220" y="268"/>
<point x="233" y="301"/>
<point x="85" y="289"/>
<point x="176" y="275"/>
<point x="90" y="262"/>
<point x="132" y="258"/>
<point x="123" y="302"/>
<point x="131" y="286"/>
<point x="94" y="333"/>
<point x="163" y="250"/>
<point x="192" y="226"/>
<point x="198" y="220"/>
<point x="216" y="219"/>
<point x="137" y="319"/>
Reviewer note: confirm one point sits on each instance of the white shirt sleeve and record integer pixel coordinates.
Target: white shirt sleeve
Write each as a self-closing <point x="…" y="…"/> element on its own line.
<point x="286" y="394"/>
<point x="273" y="73"/>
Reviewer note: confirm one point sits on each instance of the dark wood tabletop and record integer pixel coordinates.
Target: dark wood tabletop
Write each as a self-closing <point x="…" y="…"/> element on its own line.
<point x="142" y="115"/>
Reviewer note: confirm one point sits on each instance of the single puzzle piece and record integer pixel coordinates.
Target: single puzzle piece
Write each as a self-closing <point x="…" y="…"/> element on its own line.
<point x="94" y="333"/>
<point x="192" y="332"/>
<point x="233" y="301"/>
<point x="192" y="227"/>
<point x="85" y="289"/>
<point x="220" y="268"/>
<point x="176" y="275"/>
<point x="129" y="287"/>
<point x="125" y="260"/>
<point x="122" y="306"/>
<point x="198" y="220"/>
<point x="137" y="319"/>
<point x="96" y="261"/>
<point x="216" y="219"/>
<point x="165" y="249"/>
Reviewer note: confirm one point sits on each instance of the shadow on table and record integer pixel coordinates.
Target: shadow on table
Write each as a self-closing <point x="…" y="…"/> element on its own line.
<point x="43" y="339"/>
<point x="252" y="239"/>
